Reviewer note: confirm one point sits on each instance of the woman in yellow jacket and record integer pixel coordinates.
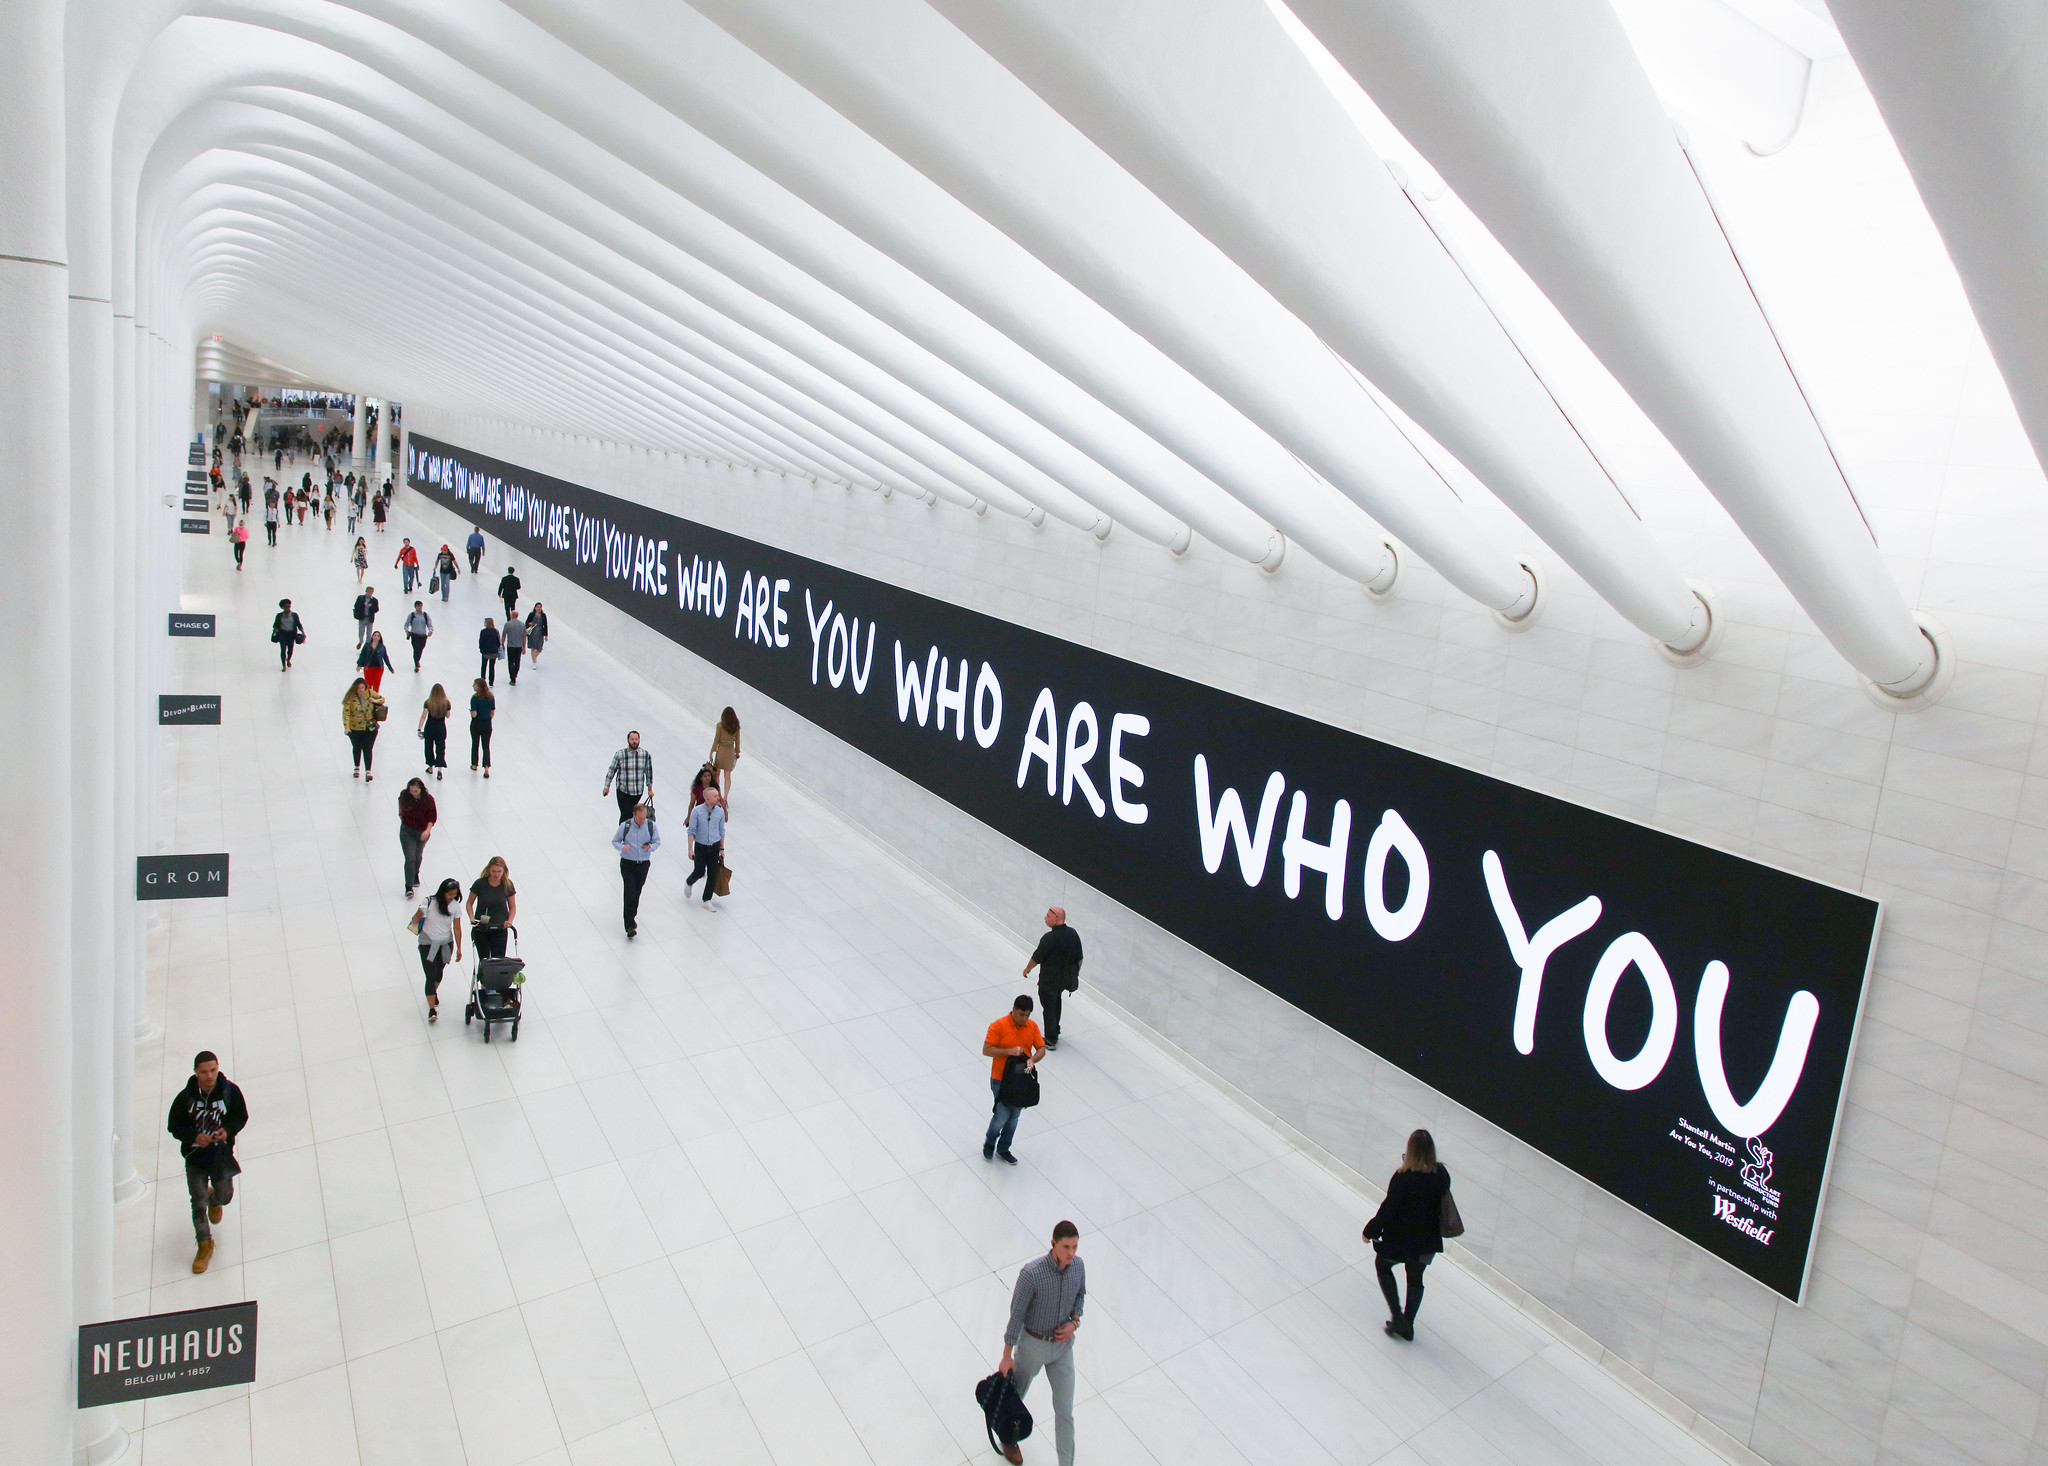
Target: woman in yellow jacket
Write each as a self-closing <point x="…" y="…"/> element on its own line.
<point x="362" y="713"/>
<point x="725" y="749"/>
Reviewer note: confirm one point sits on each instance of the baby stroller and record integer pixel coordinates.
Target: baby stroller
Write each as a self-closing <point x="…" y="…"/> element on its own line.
<point x="494" y="989"/>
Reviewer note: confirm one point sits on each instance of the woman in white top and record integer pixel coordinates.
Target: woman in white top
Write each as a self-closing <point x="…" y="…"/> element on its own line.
<point x="440" y="919"/>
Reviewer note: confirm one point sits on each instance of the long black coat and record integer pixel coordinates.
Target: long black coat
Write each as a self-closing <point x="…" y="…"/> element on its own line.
<point x="1409" y="1223"/>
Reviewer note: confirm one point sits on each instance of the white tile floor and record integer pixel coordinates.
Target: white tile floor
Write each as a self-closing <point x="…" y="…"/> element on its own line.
<point x="723" y="1201"/>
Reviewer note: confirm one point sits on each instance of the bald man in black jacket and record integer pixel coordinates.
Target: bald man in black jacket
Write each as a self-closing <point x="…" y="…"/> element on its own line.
<point x="1058" y="960"/>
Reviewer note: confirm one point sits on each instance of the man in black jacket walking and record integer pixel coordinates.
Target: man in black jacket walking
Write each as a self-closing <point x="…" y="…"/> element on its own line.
<point x="488" y="644"/>
<point x="206" y="1117"/>
<point x="1058" y="960"/>
<point x="508" y="592"/>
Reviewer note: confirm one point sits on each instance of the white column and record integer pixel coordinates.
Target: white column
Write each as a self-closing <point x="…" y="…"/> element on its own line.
<point x="97" y="705"/>
<point x="355" y="455"/>
<point x="130" y="627"/>
<point x="36" y="1340"/>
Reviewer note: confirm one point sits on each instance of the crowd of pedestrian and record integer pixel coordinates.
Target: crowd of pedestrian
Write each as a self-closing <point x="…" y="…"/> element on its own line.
<point x="1050" y="1293"/>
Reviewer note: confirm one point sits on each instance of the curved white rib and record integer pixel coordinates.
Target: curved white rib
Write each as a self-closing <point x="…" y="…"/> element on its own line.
<point x="786" y="134"/>
<point x="1541" y="118"/>
<point x="1213" y="108"/>
<point x="1964" y="90"/>
<point x="915" y="84"/>
<point x="520" y="103"/>
<point x="757" y="393"/>
<point x="449" y="181"/>
<point x="1004" y="496"/>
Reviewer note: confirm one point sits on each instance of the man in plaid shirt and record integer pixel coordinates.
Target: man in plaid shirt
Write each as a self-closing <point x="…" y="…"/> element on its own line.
<point x="632" y="771"/>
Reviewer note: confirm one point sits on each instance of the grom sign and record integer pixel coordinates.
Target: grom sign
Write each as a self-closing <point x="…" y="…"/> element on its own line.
<point x="169" y="877"/>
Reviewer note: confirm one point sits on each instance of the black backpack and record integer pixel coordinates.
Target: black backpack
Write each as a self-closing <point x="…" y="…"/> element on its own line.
<point x="1019" y="1088"/>
<point x="1002" y="1410"/>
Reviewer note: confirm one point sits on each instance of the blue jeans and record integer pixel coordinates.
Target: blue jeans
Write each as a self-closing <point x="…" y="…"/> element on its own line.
<point x="1002" y="1125"/>
<point x="408" y="572"/>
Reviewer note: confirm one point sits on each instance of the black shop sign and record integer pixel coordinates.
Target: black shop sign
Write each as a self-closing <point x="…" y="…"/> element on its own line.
<point x="191" y="623"/>
<point x="195" y="526"/>
<point x="166" y="1354"/>
<point x="176" y="710"/>
<point x="173" y="877"/>
<point x="1672" y="1022"/>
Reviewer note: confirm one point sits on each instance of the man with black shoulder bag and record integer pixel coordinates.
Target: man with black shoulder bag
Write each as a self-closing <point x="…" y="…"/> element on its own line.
<point x="1045" y="1311"/>
<point x="1015" y="1044"/>
<point x="1058" y="960"/>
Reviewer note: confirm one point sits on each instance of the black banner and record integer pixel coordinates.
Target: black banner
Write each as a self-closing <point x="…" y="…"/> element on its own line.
<point x="193" y="506"/>
<point x="195" y="526"/>
<point x="166" y="1354"/>
<point x="190" y="708"/>
<point x="191" y="623"/>
<point x="173" y="877"/>
<point x="1670" y="1021"/>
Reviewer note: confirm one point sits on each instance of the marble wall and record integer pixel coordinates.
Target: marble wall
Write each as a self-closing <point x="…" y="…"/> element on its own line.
<point x="1925" y="1333"/>
<point x="1925" y="1336"/>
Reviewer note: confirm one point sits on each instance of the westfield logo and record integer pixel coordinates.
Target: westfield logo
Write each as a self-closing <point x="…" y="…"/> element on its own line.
<point x="1724" y="1211"/>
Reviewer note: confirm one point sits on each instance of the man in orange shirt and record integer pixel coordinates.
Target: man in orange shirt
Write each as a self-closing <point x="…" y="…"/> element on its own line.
<point x="1013" y="1035"/>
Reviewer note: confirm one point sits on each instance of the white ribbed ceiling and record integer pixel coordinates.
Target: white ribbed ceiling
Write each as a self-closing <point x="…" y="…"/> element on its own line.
<point x="1108" y="262"/>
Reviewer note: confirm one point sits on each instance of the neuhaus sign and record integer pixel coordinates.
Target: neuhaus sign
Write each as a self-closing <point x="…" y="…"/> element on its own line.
<point x="1650" y="1012"/>
<point x="166" y="1354"/>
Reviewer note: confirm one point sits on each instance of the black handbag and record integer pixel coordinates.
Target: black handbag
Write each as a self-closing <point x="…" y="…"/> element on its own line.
<point x="1004" y="1415"/>
<point x="1019" y="1089"/>
<point x="1450" y="1223"/>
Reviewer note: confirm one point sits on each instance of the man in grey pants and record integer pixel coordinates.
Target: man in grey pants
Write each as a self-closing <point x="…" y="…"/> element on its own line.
<point x="1045" y="1309"/>
<point x="206" y="1117"/>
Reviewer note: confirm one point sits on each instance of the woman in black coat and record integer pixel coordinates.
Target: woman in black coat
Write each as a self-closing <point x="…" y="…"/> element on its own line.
<point x="287" y="631"/>
<point x="1408" y="1228"/>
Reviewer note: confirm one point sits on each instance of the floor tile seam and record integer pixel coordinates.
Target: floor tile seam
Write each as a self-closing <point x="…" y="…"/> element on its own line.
<point x="527" y="1325"/>
<point x="756" y="1423"/>
<point x="1250" y="1380"/>
<point x="785" y="1198"/>
<point x="1131" y="1426"/>
<point x="1322" y="1366"/>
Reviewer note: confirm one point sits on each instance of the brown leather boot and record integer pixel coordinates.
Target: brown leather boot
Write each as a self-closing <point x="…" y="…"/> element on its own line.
<point x="1013" y="1454"/>
<point x="213" y="1214"/>
<point x="204" y="1257"/>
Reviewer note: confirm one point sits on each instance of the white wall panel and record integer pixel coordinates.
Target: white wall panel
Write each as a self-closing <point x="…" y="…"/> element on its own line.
<point x="1926" y="1334"/>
